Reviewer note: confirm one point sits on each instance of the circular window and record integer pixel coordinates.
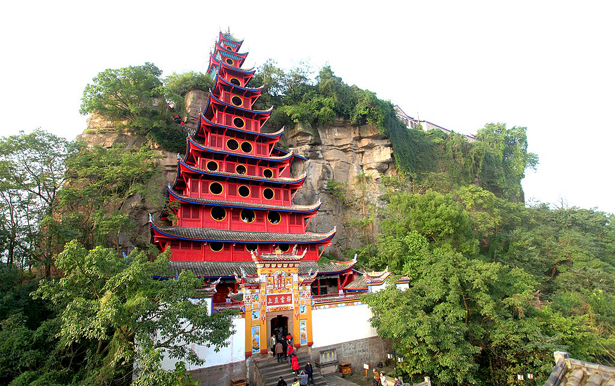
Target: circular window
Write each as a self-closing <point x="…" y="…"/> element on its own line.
<point x="212" y="166"/>
<point x="243" y="191"/>
<point x="238" y="122"/>
<point x="251" y="247"/>
<point x="274" y="217"/>
<point x="215" y="188"/>
<point x="229" y="61"/>
<point x="247" y="215"/>
<point x="268" y="193"/>
<point x="268" y="173"/>
<point x="284" y="247"/>
<point x="241" y="169"/>
<point x="232" y="144"/>
<point x="216" y="247"/>
<point x="218" y="213"/>
<point x="237" y="101"/>
<point x="235" y="81"/>
<point x="246" y="147"/>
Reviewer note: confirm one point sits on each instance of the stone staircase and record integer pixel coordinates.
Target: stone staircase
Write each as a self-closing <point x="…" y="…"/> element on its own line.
<point x="271" y="371"/>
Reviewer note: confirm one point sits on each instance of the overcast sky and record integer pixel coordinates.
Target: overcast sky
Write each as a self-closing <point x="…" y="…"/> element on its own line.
<point x="545" y="65"/>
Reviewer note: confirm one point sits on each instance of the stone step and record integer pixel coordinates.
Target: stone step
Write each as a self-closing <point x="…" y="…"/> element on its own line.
<point x="271" y="370"/>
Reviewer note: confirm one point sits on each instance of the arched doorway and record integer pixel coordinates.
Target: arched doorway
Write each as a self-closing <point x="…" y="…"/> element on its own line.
<point x="279" y="325"/>
<point x="279" y="320"/>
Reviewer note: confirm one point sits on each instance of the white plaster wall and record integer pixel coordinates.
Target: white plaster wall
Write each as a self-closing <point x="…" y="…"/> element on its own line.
<point x="402" y="286"/>
<point x="234" y="352"/>
<point x="341" y="324"/>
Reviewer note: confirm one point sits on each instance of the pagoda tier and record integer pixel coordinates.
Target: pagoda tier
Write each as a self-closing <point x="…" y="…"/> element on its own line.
<point x="233" y="215"/>
<point x="235" y="76"/>
<point x="217" y="135"/>
<point x="223" y="56"/>
<point x="235" y="95"/>
<point x="244" y="119"/>
<point x="249" y="164"/>
<point x="202" y="244"/>
<point x="239" y="175"/>
<point x="176" y="196"/>
<point x="229" y="41"/>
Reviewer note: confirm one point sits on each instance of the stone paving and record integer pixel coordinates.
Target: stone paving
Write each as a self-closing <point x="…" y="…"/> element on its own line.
<point x="334" y="380"/>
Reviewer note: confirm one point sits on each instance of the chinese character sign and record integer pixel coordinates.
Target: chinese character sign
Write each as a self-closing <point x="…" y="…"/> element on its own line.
<point x="279" y="299"/>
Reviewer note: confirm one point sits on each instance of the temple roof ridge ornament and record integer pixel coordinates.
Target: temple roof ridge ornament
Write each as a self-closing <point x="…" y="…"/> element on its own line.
<point x="278" y="255"/>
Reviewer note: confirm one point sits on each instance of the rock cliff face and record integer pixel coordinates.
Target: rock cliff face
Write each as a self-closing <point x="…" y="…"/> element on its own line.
<point x="345" y="154"/>
<point x="339" y="152"/>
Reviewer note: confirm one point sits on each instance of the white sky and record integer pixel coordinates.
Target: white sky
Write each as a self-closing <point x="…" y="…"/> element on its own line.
<point x="546" y="65"/>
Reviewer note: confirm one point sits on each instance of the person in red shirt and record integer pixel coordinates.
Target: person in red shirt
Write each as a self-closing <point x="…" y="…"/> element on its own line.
<point x="295" y="363"/>
<point x="289" y="352"/>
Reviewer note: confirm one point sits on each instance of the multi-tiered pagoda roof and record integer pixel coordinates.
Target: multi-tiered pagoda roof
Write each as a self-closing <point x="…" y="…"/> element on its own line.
<point x="233" y="193"/>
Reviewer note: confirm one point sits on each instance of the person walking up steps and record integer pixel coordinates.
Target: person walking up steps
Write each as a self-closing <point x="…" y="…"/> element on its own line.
<point x="279" y="350"/>
<point x="295" y="362"/>
<point x="289" y="351"/>
<point x="309" y="370"/>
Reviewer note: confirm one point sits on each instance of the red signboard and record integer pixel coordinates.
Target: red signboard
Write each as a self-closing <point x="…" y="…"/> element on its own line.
<point x="279" y="299"/>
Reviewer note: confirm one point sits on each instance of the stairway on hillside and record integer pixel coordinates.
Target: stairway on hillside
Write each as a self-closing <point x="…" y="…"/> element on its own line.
<point x="271" y="370"/>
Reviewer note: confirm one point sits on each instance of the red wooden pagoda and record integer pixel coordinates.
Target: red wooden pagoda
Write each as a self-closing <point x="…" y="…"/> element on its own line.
<point x="234" y="191"/>
<point x="231" y="210"/>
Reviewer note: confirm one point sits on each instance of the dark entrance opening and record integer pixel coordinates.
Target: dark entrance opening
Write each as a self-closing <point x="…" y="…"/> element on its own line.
<point x="279" y="323"/>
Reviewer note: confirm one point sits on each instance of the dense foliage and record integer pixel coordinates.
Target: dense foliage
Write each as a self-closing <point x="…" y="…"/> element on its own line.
<point x="496" y="162"/>
<point x="139" y="99"/>
<point x="495" y="287"/>
<point x="95" y="306"/>
<point x="32" y="171"/>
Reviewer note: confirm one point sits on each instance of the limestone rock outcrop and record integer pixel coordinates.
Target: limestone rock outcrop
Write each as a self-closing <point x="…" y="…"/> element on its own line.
<point x="345" y="154"/>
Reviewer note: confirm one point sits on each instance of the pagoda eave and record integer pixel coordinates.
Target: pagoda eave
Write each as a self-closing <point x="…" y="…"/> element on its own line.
<point x="215" y="270"/>
<point x="243" y="91"/>
<point x="185" y="168"/>
<point x="194" y="145"/>
<point x="231" y="236"/>
<point x="223" y="106"/>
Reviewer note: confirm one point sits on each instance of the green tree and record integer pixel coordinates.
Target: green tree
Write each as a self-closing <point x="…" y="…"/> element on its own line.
<point x="116" y="318"/>
<point x="32" y="171"/>
<point x="104" y="185"/>
<point x="135" y="97"/>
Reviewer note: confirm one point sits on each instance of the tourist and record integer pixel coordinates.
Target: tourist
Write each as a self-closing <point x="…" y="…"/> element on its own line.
<point x="295" y="363"/>
<point x="398" y="382"/>
<point x="281" y="382"/>
<point x="303" y="379"/>
<point x="376" y="381"/>
<point x="272" y="341"/>
<point x="296" y="382"/>
<point x="383" y="380"/>
<point x="284" y="347"/>
<point x="309" y="371"/>
<point x="289" y="352"/>
<point x="279" y="350"/>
